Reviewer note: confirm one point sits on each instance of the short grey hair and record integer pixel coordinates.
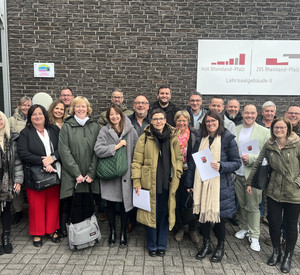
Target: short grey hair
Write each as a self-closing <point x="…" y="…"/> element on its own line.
<point x="195" y="93"/>
<point x="268" y="104"/>
<point x="231" y="100"/>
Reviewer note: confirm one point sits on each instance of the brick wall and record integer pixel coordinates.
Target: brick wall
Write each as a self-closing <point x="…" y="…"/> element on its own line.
<point x="135" y="45"/>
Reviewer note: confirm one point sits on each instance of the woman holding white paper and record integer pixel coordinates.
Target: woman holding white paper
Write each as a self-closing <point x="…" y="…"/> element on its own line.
<point x="157" y="167"/>
<point x="214" y="198"/>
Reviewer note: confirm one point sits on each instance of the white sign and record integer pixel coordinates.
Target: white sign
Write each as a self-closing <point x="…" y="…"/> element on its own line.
<point x="248" y="67"/>
<point x="43" y="69"/>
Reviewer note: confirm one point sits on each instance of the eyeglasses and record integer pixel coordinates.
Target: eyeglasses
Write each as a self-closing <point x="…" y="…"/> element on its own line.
<point x="117" y="97"/>
<point x="158" y="119"/>
<point x="210" y="121"/>
<point x="280" y="128"/>
<point x="293" y="113"/>
<point x="182" y="120"/>
<point x="140" y="103"/>
<point x="66" y="95"/>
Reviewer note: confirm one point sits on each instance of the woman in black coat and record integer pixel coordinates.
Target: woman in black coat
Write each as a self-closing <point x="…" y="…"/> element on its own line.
<point x="38" y="146"/>
<point x="214" y="198"/>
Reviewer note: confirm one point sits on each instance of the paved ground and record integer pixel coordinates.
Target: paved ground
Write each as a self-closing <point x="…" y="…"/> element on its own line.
<point x="180" y="258"/>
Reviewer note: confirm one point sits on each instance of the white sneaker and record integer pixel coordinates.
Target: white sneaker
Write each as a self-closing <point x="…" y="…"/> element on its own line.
<point x="254" y="244"/>
<point x="241" y="234"/>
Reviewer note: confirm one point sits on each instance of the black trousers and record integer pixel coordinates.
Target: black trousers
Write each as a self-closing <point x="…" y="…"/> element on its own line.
<point x="219" y="230"/>
<point x="6" y="217"/>
<point x="181" y="196"/>
<point x="83" y="207"/>
<point x="111" y="214"/>
<point x="291" y="213"/>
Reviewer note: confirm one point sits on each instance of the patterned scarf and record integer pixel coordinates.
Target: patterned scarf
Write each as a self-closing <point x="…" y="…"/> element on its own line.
<point x="183" y="143"/>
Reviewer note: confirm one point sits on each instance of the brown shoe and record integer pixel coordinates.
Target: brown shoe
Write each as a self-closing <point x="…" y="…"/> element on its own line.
<point x="268" y="242"/>
<point x="264" y="221"/>
<point x="130" y="227"/>
<point x="194" y="237"/>
<point x="102" y="217"/>
<point x="179" y="235"/>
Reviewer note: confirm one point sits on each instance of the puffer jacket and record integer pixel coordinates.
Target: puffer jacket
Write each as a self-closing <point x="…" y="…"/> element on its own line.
<point x="17" y="122"/>
<point x="230" y="161"/>
<point x="284" y="184"/>
<point x="76" y="150"/>
<point x="143" y="174"/>
<point x="15" y="170"/>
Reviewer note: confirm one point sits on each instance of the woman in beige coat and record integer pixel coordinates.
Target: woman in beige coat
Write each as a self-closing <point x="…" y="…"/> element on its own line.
<point x="157" y="167"/>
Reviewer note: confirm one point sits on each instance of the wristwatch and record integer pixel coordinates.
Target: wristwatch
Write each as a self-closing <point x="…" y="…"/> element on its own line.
<point x="54" y="157"/>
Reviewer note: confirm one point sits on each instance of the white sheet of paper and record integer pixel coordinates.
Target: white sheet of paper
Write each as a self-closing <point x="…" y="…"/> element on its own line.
<point x="249" y="148"/>
<point x="203" y="159"/>
<point x="141" y="201"/>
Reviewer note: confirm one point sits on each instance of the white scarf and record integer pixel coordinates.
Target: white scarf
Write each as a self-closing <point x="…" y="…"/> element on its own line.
<point x="81" y="121"/>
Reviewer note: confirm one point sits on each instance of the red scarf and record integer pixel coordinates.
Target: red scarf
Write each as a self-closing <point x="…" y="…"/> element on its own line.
<point x="183" y="142"/>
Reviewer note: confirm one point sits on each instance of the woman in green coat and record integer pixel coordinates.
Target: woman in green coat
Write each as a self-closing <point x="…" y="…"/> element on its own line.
<point x="157" y="167"/>
<point x="79" y="161"/>
<point x="282" y="152"/>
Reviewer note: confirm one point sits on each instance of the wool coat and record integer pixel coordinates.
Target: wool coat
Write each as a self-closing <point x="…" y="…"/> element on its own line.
<point x="76" y="150"/>
<point x="119" y="189"/>
<point x="31" y="149"/>
<point x="16" y="122"/>
<point x="229" y="162"/>
<point x="144" y="173"/>
<point x="284" y="184"/>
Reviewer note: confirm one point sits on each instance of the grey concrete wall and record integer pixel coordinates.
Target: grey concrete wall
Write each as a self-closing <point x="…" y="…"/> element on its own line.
<point x="135" y="45"/>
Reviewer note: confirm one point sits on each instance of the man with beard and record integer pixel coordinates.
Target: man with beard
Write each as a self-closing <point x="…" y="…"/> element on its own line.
<point x="196" y="112"/>
<point x="164" y="103"/>
<point x="249" y="204"/>
<point x="116" y="98"/>
<point x="140" y="118"/>
<point x="293" y="114"/>
<point x="233" y="111"/>
<point x="267" y="114"/>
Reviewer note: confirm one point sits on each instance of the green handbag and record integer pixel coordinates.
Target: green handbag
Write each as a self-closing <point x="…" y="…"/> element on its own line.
<point x="113" y="167"/>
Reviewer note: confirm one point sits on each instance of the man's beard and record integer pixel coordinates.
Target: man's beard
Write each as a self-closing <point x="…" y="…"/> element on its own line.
<point x="163" y="103"/>
<point x="232" y="116"/>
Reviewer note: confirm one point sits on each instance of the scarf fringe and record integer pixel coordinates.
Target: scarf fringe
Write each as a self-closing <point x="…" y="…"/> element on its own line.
<point x="210" y="216"/>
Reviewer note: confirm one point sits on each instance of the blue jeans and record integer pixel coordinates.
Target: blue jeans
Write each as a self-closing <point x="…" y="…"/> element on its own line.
<point x="157" y="237"/>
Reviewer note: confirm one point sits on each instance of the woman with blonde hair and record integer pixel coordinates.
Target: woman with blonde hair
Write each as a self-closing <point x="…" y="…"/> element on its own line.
<point x="57" y="113"/>
<point x="11" y="178"/>
<point x="79" y="161"/>
<point x="17" y="123"/>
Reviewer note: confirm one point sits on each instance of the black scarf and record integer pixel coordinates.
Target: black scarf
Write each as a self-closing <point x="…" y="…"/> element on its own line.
<point x="163" y="170"/>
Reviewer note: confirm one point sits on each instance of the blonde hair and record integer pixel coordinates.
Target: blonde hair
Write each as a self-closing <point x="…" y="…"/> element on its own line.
<point x="78" y="100"/>
<point x="6" y="125"/>
<point x="182" y="113"/>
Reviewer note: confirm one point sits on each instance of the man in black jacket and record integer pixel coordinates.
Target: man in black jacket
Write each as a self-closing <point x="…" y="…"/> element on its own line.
<point x="164" y="103"/>
<point x="233" y="111"/>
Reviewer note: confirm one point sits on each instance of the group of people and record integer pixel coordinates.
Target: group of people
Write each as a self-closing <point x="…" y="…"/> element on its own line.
<point x="160" y="140"/>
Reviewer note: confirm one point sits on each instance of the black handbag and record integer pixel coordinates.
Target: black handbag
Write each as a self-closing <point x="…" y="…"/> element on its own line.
<point x="262" y="177"/>
<point x="42" y="179"/>
<point x="187" y="215"/>
<point x="113" y="167"/>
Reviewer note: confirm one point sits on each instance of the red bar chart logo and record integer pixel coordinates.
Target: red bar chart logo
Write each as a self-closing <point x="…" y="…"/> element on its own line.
<point x="274" y="62"/>
<point x="232" y="61"/>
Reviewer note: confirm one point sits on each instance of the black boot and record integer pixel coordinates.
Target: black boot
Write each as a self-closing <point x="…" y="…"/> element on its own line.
<point x="112" y="225"/>
<point x="63" y="220"/>
<point x="206" y="249"/>
<point x="219" y="253"/>
<point x="275" y="258"/>
<point x="123" y="235"/>
<point x="286" y="262"/>
<point x="7" y="246"/>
